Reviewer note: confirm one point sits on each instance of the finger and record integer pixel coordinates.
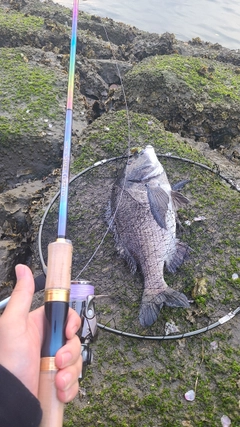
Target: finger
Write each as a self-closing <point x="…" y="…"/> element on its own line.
<point x="66" y="378"/>
<point x="68" y="395"/>
<point x="69" y="353"/>
<point x="21" y="298"/>
<point x="73" y="324"/>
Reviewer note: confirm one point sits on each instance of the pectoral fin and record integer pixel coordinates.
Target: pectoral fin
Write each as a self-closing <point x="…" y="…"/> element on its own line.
<point x="158" y="201"/>
<point x="178" y="200"/>
<point x="181" y="254"/>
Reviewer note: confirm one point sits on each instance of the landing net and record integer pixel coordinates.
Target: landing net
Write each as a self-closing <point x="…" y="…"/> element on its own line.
<point x="209" y="225"/>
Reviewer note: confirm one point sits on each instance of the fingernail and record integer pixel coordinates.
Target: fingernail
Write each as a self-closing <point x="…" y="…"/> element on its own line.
<point x="66" y="358"/>
<point x="20" y="271"/>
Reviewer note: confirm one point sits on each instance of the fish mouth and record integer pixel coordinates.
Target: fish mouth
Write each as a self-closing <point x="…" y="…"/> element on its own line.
<point x="144" y="164"/>
<point x="149" y="149"/>
<point x="150" y="154"/>
<point x="147" y="153"/>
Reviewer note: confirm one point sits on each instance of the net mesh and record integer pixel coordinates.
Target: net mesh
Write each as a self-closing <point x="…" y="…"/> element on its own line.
<point x="209" y="225"/>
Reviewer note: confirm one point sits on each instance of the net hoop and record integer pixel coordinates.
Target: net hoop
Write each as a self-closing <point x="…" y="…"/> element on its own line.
<point x="215" y="169"/>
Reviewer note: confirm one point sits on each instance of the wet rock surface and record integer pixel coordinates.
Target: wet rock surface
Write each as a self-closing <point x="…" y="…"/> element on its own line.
<point x="194" y="97"/>
<point x="193" y="89"/>
<point x="16" y="226"/>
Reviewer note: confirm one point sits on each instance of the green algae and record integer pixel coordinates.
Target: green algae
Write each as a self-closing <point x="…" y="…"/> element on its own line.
<point x="29" y="95"/>
<point x="219" y="82"/>
<point x="19" y="22"/>
<point x="151" y="392"/>
<point x="143" y="385"/>
<point x="138" y="384"/>
<point x="112" y="136"/>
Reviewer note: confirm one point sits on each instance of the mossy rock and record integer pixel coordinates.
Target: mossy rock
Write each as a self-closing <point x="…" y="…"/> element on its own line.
<point x="48" y="26"/>
<point x="140" y="383"/>
<point x="197" y="97"/>
<point x="19" y="22"/>
<point x="19" y="29"/>
<point x="111" y="134"/>
<point x="32" y="113"/>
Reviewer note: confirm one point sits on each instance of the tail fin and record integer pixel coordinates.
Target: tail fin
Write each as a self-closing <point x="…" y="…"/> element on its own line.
<point x="153" y="301"/>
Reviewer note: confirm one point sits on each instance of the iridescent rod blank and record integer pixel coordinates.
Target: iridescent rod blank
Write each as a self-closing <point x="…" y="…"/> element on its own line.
<point x="57" y="288"/>
<point x="62" y="218"/>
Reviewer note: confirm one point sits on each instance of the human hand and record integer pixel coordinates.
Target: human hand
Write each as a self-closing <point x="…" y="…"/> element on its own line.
<point x="21" y="338"/>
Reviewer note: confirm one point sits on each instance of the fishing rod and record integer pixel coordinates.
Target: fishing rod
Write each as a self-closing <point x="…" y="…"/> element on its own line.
<point x="58" y="279"/>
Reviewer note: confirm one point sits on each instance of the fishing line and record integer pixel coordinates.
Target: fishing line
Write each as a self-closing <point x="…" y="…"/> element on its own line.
<point x="115" y="329"/>
<point x="47" y="210"/>
<point x="111" y="221"/>
<point x="111" y="323"/>
<point x="215" y="170"/>
<point x="129" y="141"/>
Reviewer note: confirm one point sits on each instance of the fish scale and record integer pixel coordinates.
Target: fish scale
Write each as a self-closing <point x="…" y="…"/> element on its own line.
<point x="142" y="215"/>
<point x="140" y="228"/>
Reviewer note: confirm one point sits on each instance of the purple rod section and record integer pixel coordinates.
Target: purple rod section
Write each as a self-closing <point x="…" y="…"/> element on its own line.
<point x="63" y="204"/>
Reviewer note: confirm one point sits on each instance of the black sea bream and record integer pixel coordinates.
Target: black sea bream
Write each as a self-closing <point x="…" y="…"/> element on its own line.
<point x="145" y="229"/>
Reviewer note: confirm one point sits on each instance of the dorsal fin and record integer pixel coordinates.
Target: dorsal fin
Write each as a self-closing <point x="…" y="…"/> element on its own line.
<point x="180" y="184"/>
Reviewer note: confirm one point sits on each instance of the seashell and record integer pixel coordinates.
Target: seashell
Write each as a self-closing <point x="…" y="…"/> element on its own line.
<point x="214" y="345"/>
<point x="171" y="328"/>
<point x="190" y="395"/>
<point x="226" y="422"/>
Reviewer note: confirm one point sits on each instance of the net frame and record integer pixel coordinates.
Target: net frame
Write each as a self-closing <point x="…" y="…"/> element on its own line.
<point x="215" y="170"/>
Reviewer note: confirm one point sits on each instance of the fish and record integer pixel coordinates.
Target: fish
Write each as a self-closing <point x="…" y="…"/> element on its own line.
<point x="142" y="215"/>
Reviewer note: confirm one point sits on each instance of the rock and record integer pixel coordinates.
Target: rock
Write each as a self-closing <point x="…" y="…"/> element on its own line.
<point x="195" y="97"/>
<point x="32" y="124"/>
<point x="147" y="378"/>
<point x="147" y="44"/>
<point x="93" y="85"/>
<point x="7" y="254"/>
<point x="12" y="253"/>
<point x="16" y="228"/>
<point x="109" y="69"/>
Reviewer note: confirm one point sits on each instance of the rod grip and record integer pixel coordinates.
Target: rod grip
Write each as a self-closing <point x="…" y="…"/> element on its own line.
<point x="57" y="291"/>
<point x="52" y="408"/>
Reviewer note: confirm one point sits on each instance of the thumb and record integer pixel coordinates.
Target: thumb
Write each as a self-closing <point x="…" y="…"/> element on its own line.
<point x="21" y="298"/>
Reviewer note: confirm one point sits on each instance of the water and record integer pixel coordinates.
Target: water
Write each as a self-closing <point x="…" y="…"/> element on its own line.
<point x="217" y="21"/>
